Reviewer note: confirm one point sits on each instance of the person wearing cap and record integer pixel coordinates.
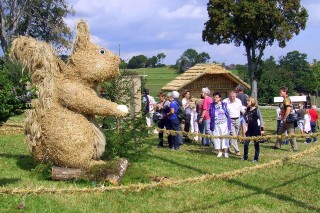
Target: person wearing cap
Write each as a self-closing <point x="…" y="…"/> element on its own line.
<point x="205" y="117"/>
<point x="234" y="106"/>
<point x="314" y="118"/>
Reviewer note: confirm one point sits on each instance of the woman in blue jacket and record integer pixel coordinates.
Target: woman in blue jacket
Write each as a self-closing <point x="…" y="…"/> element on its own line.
<point x="220" y="124"/>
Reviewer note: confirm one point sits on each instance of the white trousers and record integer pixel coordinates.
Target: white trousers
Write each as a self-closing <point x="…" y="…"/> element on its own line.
<point x="149" y="120"/>
<point x="221" y="129"/>
<point x="194" y="122"/>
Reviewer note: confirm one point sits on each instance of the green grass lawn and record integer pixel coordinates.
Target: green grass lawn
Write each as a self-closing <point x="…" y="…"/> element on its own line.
<point x="293" y="187"/>
<point x="157" y="78"/>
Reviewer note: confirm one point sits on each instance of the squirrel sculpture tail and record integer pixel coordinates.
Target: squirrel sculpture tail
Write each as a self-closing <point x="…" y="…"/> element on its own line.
<point x="44" y="67"/>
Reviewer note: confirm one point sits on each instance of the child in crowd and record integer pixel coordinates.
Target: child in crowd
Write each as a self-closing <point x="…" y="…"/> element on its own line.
<point x="194" y="118"/>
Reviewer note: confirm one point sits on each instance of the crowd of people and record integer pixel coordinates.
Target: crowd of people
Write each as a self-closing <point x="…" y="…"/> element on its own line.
<point x="238" y="114"/>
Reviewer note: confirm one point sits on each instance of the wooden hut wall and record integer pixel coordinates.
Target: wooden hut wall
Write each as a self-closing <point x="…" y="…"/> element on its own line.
<point x="215" y="82"/>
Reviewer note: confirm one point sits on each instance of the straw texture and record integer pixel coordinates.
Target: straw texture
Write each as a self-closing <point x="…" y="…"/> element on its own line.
<point x="213" y="76"/>
<point x="61" y="127"/>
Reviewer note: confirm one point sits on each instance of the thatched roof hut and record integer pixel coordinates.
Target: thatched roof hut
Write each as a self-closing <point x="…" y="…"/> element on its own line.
<point x="213" y="76"/>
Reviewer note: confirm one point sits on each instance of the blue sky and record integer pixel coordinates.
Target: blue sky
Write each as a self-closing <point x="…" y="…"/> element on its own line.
<point x="150" y="27"/>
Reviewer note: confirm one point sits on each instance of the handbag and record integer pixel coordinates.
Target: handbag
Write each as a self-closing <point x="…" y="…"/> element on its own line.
<point x="292" y="117"/>
<point x="156" y="117"/>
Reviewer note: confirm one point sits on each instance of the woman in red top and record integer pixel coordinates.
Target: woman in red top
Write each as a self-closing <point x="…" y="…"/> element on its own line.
<point x="205" y="117"/>
<point x="314" y="118"/>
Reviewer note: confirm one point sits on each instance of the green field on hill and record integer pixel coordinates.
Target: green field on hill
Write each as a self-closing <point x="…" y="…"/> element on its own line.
<point x="157" y="77"/>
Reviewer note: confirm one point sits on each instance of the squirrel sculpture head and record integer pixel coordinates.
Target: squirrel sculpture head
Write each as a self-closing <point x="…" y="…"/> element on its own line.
<point x="88" y="62"/>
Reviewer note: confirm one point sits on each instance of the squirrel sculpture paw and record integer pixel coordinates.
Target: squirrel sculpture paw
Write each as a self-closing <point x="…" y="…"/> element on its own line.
<point x="123" y="109"/>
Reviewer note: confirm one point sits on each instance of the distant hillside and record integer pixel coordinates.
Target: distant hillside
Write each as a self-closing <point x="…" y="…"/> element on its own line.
<point x="157" y="77"/>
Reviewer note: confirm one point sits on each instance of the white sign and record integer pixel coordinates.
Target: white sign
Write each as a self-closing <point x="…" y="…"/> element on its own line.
<point x="292" y="98"/>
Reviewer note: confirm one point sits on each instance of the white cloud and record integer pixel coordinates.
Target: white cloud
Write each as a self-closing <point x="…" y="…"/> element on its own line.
<point x="184" y="12"/>
<point x="149" y="27"/>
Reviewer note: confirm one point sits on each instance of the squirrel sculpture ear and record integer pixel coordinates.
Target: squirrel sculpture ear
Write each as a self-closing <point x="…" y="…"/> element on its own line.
<point x="83" y="35"/>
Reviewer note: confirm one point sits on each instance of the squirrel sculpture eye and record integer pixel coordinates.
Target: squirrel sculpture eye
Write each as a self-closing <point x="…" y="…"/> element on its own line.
<point x="102" y="51"/>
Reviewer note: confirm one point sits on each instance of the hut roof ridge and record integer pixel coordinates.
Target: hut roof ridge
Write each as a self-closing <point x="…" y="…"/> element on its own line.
<point x="198" y="71"/>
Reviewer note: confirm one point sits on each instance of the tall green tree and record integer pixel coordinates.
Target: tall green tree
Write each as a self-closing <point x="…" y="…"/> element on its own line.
<point x="297" y="63"/>
<point x="272" y="78"/>
<point x="255" y="25"/>
<point x="42" y="19"/>
<point x="314" y="78"/>
<point x="203" y="57"/>
<point x="152" y="62"/>
<point x="189" y="58"/>
<point x="139" y="61"/>
<point x="160" y="57"/>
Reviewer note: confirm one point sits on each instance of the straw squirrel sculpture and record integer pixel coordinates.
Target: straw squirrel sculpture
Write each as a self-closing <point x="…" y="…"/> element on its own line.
<point x="61" y="128"/>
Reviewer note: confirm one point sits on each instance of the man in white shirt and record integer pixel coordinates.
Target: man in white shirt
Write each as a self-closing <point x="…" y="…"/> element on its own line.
<point x="235" y="107"/>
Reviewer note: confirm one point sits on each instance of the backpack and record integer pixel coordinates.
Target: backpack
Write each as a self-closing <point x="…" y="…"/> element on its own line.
<point x="181" y="114"/>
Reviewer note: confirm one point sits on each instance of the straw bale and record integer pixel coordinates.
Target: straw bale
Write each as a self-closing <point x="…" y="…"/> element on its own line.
<point x="61" y="127"/>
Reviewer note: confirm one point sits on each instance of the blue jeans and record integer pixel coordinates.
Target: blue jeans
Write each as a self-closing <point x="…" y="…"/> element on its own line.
<point x="200" y="125"/>
<point x="206" y="130"/>
<point x="246" y="150"/>
<point x="173" y="140"/>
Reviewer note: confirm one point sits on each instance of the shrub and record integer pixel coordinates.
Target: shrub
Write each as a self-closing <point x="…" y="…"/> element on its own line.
<point x="129" y="138"/>
<point x="13" y="95"/>
<point x="10" y="103"/>
<point x="125" y="137"/>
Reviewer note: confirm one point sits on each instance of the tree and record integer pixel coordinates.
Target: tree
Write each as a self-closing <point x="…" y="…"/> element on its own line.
<point x="270" y="80"/>
<point x="314" y="78"/>
<point x="191" y="57"/>
<point x="152" y="62"/>
<point x="138" y="61"/>
<point x="255" y="25"/>
<point x="123" y="64"/>
<point x="13" y="94"/>
<point x="160" y="57"/>
<point x="42" y="19"/>
<point x="203" y="57"/>
<point x="297" y="63"/>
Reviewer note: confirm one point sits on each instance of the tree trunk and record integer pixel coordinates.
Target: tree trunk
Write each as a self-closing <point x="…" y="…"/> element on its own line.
<point x="254" y="88"/>
<point x="252" y="69"/>
<point x="62" y="173"/>
<point x="113" y="172"/>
